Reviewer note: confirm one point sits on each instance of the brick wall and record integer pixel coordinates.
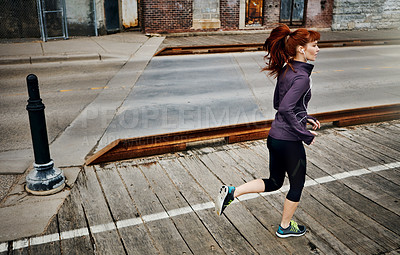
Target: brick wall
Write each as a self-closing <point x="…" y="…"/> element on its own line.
<point x="271" y="13"/>
<point x="319" y="13"/>
<point x="167" y="16"/>
<point x="229" y="14"/>
<point x="163" y="16"/>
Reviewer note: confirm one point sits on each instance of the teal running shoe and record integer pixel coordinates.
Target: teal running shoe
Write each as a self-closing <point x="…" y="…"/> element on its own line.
<point x="292" y="230"/>
<point x="225" y="198"/>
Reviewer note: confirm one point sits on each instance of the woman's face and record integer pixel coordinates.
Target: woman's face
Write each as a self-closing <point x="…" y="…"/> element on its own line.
<point x="311" y="50"/>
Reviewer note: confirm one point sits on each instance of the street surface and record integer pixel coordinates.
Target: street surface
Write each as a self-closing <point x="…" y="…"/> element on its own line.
<point x="203" y="90"/>
<point x="65" y="88"/>
<point x="177" y="93"/>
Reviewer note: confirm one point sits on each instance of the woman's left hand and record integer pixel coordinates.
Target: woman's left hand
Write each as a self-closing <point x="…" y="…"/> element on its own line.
<point x="315" y="124"/>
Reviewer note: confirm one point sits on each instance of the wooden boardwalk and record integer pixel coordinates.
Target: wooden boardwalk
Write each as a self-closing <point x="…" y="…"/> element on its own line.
<point x="163" y="205"/>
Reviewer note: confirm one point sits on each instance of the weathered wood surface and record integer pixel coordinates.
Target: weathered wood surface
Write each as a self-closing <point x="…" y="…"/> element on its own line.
<point x="163" y="204"/>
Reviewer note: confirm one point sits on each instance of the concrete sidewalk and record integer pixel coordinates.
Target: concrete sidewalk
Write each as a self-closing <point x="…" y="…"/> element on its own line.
<point x="121" y="45"/>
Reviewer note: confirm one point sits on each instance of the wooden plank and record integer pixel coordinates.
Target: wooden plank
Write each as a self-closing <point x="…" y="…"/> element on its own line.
<point x="332" y="142"/>
<point x="273" y="245"/>
<point x="371" y="118"/>
<point x="329" y="244"/>
<point x="189" y="225"/>
<point x="382" y="136"/>
<point x="240" y="167"/>
<point x="384" y="185"/>
<point x="370" y="143"/>
<point x="164" y="233"/>
<point x="379" y="235"/>
<point x="343" y="159"/>
<point x="258" y="164"/>
<point x="390" y="142"/>
<point x="392" y="126"/>
<point x="349" y="145"/>
<point x="380" y="214"/>
<point x="136" y="239"/>
<point x="47" y="248"/>
<point x="374" y="193"/>
<point x="233" y="160"/>
<point x="71" y="217"/>
<point x="97" y="213"/>
<point x="393" y="175"/>
<point x="338" y="227"/>
<point x="322" y="151"/>
<point x="316" y="240"/>
<point x="227" y="235"/>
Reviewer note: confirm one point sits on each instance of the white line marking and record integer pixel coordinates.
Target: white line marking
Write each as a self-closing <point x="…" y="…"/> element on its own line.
<point x="129" y="222"/>
<point x="359" y="172"/>
<point x="342" y="175"/>
<point x="3" y="247"/>
<point x="44" y="239"/>
<point x="377" y="168"/>
<point x="180" y="211"/>
<point x="74" y="233"/>
<point x="103" y="228"/>
<point x="325" y="179"/>
<point x="393" y="165"/>
<point x="155" y="216"/>
<point x="20" y="244"/>
<point x="203" y="206"/>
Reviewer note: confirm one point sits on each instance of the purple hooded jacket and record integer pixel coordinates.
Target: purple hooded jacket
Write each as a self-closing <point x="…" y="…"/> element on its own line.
<point x="291" y="97"/>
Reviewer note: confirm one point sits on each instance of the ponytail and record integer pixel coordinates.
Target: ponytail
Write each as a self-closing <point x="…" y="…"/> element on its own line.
<point x="282" y="44"/>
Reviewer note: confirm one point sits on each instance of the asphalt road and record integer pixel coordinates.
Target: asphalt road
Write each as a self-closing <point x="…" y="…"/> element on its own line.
<point x="343" y="78"/>
<point x="66" y="88"/>
<point x="178" y="93"/>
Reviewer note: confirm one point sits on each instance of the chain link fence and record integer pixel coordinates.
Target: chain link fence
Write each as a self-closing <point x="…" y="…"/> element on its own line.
<point x="47" y="19"/>
<point x="19" y="19"/>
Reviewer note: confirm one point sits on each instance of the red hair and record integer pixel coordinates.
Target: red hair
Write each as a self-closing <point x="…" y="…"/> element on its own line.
<point x="282" y="44"/>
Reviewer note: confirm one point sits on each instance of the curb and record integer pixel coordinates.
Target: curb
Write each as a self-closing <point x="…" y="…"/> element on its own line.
<point x="55" y="58"/>
<point x="237" y="32"/>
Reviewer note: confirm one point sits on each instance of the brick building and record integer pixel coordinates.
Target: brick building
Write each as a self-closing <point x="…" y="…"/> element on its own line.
<point x="55" y="18"/>
<point x="165" y="16"/>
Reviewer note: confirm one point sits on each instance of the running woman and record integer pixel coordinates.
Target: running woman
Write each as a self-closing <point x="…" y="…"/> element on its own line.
<point x="287" y="58"/>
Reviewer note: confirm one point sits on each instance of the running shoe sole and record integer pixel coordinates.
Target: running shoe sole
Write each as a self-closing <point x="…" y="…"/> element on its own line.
<point x="289" y="235"/>
<point x="220" y="199"/>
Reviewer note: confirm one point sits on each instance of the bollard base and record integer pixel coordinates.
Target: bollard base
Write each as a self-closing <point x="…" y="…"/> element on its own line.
<point x="45" y="179"/>
<point x="45" y="192"/>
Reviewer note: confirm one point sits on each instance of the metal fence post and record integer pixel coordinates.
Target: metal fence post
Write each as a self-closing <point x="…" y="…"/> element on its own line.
<point x="44" y="179"/>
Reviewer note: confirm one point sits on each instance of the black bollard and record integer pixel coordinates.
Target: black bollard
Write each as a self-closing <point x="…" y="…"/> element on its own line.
<point x="44" y="179"/>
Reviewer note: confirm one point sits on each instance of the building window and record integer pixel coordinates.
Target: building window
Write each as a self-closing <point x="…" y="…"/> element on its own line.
<point x="206" y="14"/>
<point x="254" y="12"/>
<point x="293" y="12"/>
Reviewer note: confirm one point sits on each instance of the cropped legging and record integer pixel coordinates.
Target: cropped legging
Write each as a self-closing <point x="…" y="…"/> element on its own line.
<point x="286" y="157"/>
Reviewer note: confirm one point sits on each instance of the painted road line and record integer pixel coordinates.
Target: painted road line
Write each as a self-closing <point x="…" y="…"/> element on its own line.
<point x="44" y="239"/>
<point x="74" y="233"/>
<point x="19" y="244"/>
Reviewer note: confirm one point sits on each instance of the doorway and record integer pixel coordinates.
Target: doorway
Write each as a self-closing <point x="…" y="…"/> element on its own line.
<point x="254" y="13"/>
<point x="111" y="9"/>
<point x="293" y="12"/>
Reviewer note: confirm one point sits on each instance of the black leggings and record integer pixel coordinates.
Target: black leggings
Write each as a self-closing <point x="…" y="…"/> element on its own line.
<point x="286" y="157"/>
